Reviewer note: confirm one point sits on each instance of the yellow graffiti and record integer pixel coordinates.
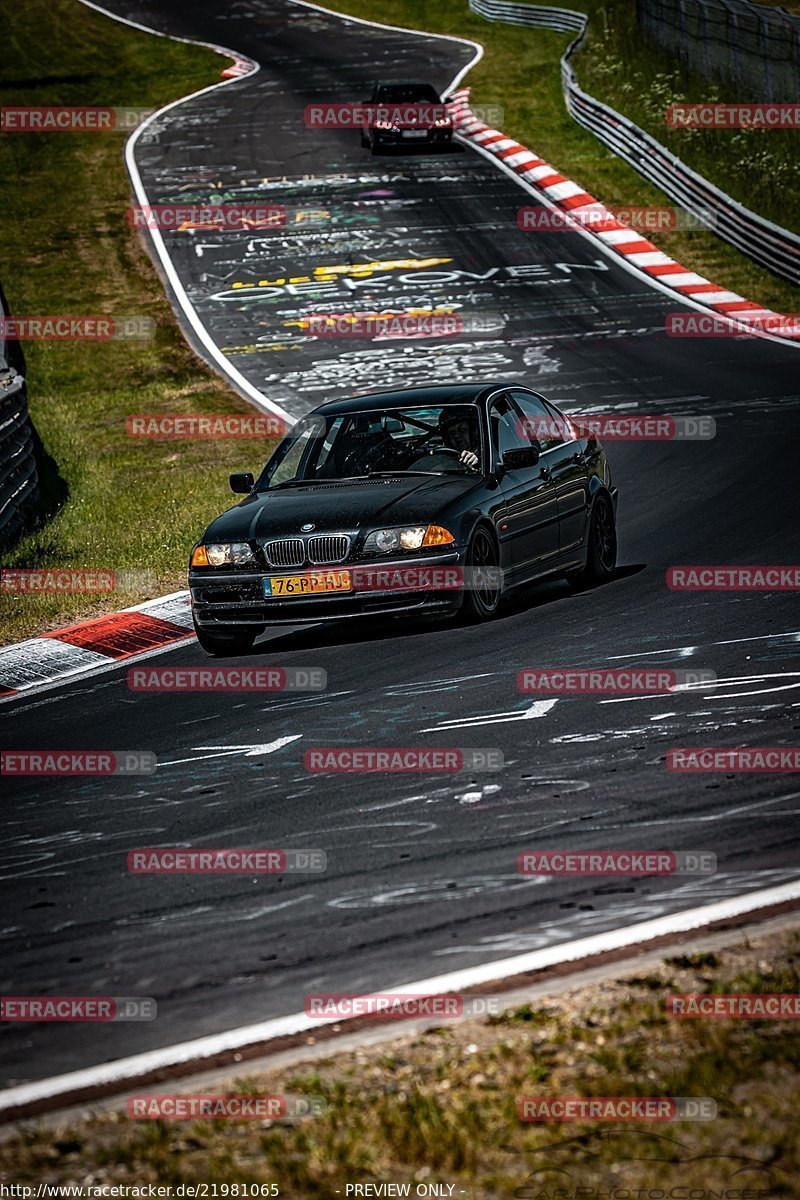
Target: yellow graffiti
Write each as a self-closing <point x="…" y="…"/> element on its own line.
<point x="250" y="222"/>
<point x="340" y="319"/>
<point x="261" y="348"/>
<point x="353" y="270"/>
<point x="311" y="214"/>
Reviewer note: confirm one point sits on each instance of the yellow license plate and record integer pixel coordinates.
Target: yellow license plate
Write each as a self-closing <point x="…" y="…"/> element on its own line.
<point x="315" y="583"/>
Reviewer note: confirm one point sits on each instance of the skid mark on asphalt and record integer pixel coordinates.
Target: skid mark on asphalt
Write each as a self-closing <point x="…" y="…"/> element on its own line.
<point x="424" y="891"/>
<point x="790" y="636"/>
<point x="743" y="810"/>
<point x="704" y="890"/>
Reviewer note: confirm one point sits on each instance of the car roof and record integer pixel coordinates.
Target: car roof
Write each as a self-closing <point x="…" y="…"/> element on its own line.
<point x="434" y="394"/>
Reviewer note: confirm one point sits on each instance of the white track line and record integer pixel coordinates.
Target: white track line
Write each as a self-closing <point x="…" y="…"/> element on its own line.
<point x="187" y="308"/>
<point x="126" y="1069"/>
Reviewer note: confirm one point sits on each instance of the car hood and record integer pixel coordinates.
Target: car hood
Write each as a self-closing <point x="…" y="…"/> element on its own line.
<point x="340" y="505"/>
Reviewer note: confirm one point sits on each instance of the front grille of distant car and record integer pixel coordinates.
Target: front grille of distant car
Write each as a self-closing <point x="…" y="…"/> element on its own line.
<point x="333" y="548"/>
<point x="287" y="552"/>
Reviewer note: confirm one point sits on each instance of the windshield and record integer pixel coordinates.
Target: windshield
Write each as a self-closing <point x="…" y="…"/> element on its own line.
<point x="408" y="93"/>
<point x="425" y="440"/>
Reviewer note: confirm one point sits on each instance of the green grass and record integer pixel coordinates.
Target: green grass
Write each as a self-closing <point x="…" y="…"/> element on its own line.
<point x="520" y="72"/>
<point x="66" y="247"/>
<point x="441" y="1107"/>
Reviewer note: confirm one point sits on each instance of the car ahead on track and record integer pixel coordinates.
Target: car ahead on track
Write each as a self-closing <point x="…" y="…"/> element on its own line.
<point x="406" y="114"/>
<point x="426" y="500"/>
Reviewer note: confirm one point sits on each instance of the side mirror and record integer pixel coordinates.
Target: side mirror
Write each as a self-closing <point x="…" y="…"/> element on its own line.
<point x="518" y="460"/>
<point x="242" y="481"/>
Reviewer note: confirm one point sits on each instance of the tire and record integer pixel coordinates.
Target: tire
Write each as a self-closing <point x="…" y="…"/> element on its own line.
<point x="233" y="641"/>
<point x="482" y="597"/>
<point x="601" y="552"/>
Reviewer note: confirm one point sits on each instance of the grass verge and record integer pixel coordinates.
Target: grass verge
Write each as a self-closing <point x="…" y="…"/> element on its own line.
<point x="67" y="248"/>
<point x="441" y="1107"/>
<point x="520" y="72"/>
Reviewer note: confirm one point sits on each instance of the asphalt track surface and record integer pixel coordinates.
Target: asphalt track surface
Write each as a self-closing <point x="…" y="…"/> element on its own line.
<point x="421" y="872"/>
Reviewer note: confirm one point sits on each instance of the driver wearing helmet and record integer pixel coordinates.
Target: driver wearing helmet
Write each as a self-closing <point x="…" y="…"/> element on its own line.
<point x="459" y="429"/>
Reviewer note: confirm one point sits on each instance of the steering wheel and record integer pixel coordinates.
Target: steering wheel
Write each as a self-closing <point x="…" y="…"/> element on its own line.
<point x="387" y="450"/>
<point x="447" y="450"/>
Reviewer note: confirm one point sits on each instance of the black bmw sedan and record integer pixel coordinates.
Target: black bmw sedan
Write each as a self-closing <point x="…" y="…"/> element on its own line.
<point x="427" y="500"/>
<point x="406" y="116"/>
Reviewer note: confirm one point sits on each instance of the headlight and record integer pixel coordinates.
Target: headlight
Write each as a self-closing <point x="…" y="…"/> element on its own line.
<point x="410" y="537"/>
<point x="221" y="554"/>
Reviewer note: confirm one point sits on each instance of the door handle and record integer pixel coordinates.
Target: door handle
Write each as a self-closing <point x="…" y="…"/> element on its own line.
<point x="580" y="458"/>
<point x="545" y="473"/>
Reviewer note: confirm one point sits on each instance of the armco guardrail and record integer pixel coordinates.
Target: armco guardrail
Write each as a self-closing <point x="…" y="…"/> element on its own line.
<point x="19" y="480"/>
<point x="768" y="244"/>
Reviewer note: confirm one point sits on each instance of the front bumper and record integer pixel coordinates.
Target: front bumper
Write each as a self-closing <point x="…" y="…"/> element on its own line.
<point x="224" y="598"/>
<point x="391" y="137"/>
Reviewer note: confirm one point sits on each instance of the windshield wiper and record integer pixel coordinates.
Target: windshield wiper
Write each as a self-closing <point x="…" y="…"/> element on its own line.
<point x="312" y="482"/>
<point x="287" y="483"/>
<point x="391" y="474"/>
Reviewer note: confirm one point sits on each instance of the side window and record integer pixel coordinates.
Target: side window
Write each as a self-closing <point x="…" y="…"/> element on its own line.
<point x="542" y="423"/>
<point x="506" y="429"/>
